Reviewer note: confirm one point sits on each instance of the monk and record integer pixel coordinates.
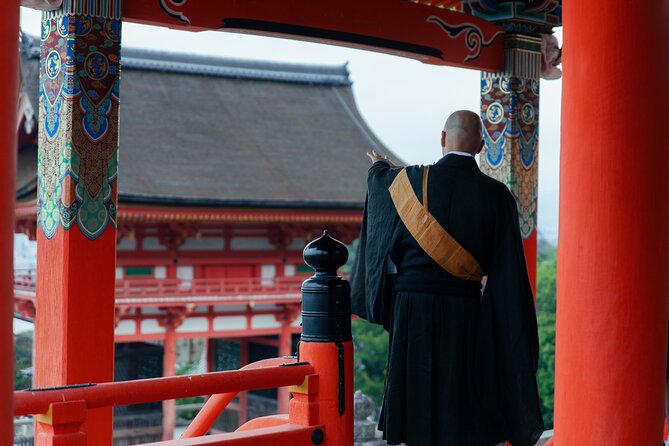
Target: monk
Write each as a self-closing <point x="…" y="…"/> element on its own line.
<point x="462" y="356"/>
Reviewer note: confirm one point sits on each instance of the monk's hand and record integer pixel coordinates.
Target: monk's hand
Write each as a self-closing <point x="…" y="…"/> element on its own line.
<point x="376" y="156"/>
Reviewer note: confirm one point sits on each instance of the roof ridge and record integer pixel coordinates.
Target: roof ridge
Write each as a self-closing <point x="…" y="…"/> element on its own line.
<point x="187" y="63"/>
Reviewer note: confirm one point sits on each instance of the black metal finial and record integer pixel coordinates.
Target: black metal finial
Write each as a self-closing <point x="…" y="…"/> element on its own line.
<point x="325" y="254"/>
<point x="326" y="297"/>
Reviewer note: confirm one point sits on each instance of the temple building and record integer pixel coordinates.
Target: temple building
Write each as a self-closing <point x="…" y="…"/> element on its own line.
<point x="228" y="168"/>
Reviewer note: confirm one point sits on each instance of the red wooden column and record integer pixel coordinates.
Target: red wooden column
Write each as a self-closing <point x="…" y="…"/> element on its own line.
<point x="9" y="87"/>
<point x="243" y="396"/>
<point x="285" y="349"/>
<point x="169" y="369"/>
<point x="613" y="253"/>
<point x="510" y="114"/>
<point x="211" y="354"/>
<point x="77" y="201"/>
<point x="172" y="321"/>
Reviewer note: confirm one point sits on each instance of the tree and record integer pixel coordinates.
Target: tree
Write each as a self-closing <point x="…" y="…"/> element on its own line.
<point x="370" y="342"/>
<point x="23" y="360"/>
<point x="546" y="303"/>
<point x="546" y="372"/>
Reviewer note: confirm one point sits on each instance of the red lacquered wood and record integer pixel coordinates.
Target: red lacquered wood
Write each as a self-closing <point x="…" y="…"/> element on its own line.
<point x="158" y="389"/>
<point x="530" y="245"/>
<point x="169" y="369"/>
<point x="285" y="347"/>
<point x="285" y="435"/>
<point x="216" y="404"/>
<point x="319" y="402"/>
<point x="74" y="326"/>
<point x="397" y="27"/>
<point x="613" y="253"/>
<point x="9" y="85"/>
<point x="262" y="422"/>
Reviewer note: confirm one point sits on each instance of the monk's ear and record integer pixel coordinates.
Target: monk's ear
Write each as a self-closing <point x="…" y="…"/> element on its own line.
<point x="480" y="147"/>
<point x="443" y="139"/>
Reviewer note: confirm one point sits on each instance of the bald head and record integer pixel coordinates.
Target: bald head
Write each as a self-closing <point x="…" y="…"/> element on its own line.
<point x="463" y="132"/>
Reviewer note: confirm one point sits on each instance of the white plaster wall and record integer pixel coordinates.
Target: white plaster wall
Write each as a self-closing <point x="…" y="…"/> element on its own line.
<point x="297" y="244"/>
<point x="127" y="245"/>
<point x="251" y="243"/>
<point x="151" y="326"/>
<point x="289" y="270"/>
<point x="152" y="244"/>
<point x="203" y="244"/>
<point x="223" y="323"/>
<point x="160" y="272"/>
<point x="194" y="325"/>
<point x="264" y="321"/>
<point x="125" y="328"/>
<point x="267" y="274"/>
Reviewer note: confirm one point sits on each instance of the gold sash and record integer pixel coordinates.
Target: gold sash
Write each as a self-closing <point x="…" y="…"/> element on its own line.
<point x="430" y="235"/>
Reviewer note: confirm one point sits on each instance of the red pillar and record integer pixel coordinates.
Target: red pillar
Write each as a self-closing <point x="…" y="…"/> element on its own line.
<point x="285" y="347"/>
<point x="169" y="369"/>
<point x="613" y="253"/>
<point x="211" y="355"/>
<point x="243" y="396"/>
<point x="173" y="320"/>
<point x="9" y="85"/>
<point x="76" y="243"/>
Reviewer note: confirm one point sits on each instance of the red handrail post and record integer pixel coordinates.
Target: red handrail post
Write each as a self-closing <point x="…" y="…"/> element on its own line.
<point x="61" y="425"/>
<point x="326" y="397"/>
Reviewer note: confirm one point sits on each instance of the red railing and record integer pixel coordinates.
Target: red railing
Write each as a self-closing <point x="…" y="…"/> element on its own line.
<point x="135" y="288"/>
<point x="63" y="410"/>
<point x="25" y="279"/>
<point x="32" y="402"/>
<point x="322" y="406"/>
<point x="139" y="291"/>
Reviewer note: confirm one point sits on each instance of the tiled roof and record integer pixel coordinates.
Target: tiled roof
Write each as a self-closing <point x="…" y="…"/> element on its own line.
<point x="227" y="132"/>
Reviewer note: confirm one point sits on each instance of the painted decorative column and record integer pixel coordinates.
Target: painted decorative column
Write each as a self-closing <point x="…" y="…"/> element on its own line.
<point x="9" y="88"/>
<point x="613" y="253"/>
<point x="510" y="113"/>
<point x="77" y="200"/>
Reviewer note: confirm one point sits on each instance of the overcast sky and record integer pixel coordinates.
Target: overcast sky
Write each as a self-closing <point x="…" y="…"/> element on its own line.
<point x="403" y="101"/>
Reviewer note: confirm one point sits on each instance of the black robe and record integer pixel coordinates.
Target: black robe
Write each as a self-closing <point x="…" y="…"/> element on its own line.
<point x="462" y="363"/>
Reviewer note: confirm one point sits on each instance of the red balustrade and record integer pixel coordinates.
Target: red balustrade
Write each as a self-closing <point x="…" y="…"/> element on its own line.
<point x="63" y="410"/>
<point x="38" y="401"/>
<point x="138" y="292"/>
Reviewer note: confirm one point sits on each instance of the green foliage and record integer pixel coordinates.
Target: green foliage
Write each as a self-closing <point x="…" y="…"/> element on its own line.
<point x="546" y="270"/>
<point x="352" y="250"/>
<point x="546" y="291"/>
<point x="370" y="342"/>
<point x="23" y="360"/>
<point x="546" y="372"/>
<point x="186" y="369"/>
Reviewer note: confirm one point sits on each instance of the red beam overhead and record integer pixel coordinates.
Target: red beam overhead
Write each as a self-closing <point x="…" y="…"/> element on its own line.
<point x="399" y="27"/>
